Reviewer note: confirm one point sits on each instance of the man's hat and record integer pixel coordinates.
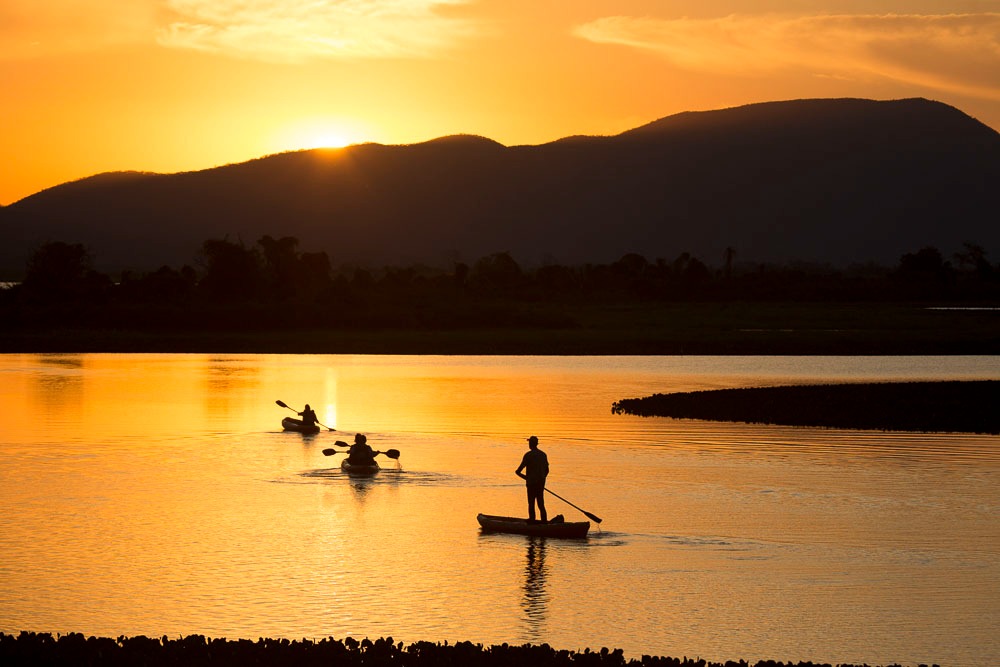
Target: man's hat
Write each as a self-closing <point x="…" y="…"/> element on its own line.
<point x="533" y="440"/>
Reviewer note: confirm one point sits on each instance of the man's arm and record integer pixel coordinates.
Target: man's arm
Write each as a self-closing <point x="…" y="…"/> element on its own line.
<point x="524" y="462"/>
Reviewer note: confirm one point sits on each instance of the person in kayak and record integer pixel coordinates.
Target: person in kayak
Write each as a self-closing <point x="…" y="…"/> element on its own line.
<point x="533" y="470"/>
<point x="361" y="453"/>
<point x="308" y="416"/>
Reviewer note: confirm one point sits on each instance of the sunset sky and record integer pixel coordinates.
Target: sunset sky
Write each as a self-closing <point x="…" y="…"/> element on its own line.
<point x="88" y="86"/>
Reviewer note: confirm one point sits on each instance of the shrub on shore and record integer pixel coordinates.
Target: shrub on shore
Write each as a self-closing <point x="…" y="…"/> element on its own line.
<point x="30" y="648"/>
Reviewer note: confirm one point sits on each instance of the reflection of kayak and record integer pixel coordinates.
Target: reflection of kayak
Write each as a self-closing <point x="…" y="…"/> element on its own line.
<point x="509" y="524"/>
<point x="359" y="469"/>
<point x="290" y="424"/>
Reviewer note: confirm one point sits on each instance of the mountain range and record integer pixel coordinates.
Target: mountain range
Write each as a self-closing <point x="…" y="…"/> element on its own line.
<point x="837" y="181"/>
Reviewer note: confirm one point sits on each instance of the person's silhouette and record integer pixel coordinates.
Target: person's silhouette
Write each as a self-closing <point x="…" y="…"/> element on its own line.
<point x="361" y="454"/>
<point x="308" y="416"/>
<point x="535" y="467"/>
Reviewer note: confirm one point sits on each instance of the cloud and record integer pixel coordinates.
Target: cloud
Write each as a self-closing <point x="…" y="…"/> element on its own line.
<point x="303" y="30"/>
<point x="958" y="53"/>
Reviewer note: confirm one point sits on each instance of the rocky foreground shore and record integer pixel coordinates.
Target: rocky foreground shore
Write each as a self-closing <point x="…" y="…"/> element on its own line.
<point x="34" y="649"/>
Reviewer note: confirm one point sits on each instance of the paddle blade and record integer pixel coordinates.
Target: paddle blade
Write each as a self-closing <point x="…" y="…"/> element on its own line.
<point x="392" y="453"/>
<point x="341" y="443"/>
<point x="281" y="404"/>
<point x="330" y="452"/>
<point x="593" y="517"/>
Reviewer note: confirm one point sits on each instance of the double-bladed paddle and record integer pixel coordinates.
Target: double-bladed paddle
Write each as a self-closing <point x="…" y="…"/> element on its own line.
<point x="391" y="453"/>
<point x="282" y="404"/>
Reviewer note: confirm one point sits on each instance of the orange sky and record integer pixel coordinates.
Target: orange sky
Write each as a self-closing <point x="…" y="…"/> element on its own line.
<point x="88" y="86"/>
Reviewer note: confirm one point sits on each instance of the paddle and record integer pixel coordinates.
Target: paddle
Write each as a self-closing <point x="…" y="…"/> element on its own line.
<point x="282" y="404"/>
<point x="391" y="453"/>
<point x="592" y="517"/>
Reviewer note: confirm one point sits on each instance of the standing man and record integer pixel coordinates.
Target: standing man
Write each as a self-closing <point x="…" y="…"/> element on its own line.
<point x="535" y="467"/>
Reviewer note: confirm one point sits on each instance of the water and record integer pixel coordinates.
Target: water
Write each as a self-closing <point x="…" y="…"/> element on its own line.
<point x="156" y="494"/>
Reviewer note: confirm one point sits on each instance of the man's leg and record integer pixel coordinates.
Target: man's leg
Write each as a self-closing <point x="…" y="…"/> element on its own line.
<point x="536" y="494"/>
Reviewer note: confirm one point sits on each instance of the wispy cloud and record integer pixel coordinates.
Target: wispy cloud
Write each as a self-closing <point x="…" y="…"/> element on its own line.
<point x="302" y="30"/>
<point x="958" y="53"/>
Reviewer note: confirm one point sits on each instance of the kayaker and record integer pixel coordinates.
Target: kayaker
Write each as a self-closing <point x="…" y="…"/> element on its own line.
<point x="308" y="416"/>
<point x="361" y="454"/>
<point x="535" y="467"/>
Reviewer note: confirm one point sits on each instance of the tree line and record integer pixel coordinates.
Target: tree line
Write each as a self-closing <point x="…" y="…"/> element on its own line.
<point x="272" y="283"/>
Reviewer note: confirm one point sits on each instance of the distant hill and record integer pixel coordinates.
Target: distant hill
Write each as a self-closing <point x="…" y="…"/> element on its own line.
<point x="836" y="181"/>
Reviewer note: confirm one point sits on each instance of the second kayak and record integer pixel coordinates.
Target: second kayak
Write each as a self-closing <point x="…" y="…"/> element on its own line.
<point x="291" y="424"/>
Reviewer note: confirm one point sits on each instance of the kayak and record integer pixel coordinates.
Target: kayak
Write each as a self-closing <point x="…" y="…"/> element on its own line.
<point x="359" y="469"/>
<point x="509" y="524"/>
<point x="292" y="424"/>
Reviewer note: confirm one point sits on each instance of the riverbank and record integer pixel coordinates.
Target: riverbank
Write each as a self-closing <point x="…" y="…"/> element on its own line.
<point x="960" y="407"/>
<point x="731" y="328"/>
<point x="195" y="650"/>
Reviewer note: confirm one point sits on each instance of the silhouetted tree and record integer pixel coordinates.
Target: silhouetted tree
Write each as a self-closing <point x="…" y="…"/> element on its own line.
<point x="461" y="274"/>
<point x="973" y="259"/>
<point x="556" y="279"/>
<point x="926" y="261"/>
<point x="729" y="254"/>
<point x="313" y="275"/>
<point x="398" y="277"/>
<point x="631" y="265"/>
<point x="498" y="271"/>
<point x="60" y="271"/>
<point x="166" y="285"/>
<point x="280" y="264"/>
<point x="232" y="271"/>
<point x="925" y="272"/>
<point x="695" y="272"/>
<point x="362" y="279"/>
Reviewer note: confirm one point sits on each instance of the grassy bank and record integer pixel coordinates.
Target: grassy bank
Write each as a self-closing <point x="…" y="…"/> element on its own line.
<point x="550" y="329"/>
<point x="966" y="407"/>
<point x="195" y="650"/>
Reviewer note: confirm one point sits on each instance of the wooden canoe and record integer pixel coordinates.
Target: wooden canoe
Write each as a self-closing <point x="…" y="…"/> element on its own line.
<point x="509" y="524"/>
<point x="292" y="424"/>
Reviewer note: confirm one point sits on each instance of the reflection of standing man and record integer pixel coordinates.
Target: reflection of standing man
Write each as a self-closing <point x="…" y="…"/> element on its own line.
<point x="535" y="465"/>
<point x="536" y="598"/>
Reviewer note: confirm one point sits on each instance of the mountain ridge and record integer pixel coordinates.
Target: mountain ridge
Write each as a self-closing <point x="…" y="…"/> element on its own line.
<point x="834" y="181"/>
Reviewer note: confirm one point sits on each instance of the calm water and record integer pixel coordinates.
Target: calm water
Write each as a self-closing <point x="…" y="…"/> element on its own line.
<point x="156" y="494"/>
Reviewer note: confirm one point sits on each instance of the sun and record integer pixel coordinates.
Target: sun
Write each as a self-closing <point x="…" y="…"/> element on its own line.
<point x="327" y="139"/>
<point x="318" y="133"/>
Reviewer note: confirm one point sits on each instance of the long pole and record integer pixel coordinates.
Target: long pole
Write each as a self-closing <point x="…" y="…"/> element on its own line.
<point x="592" y="517"/>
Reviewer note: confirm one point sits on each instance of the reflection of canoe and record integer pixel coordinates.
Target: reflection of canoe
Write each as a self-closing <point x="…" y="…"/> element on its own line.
<point x="291" y="424"/>
<point x="509" y="524"/>
<point x="356" y="469"/>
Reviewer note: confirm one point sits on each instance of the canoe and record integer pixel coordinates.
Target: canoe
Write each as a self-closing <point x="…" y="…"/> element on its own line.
<point x="355" y="469"/>
<point x="509" y="524"/>
<point x="292" y="424"/>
